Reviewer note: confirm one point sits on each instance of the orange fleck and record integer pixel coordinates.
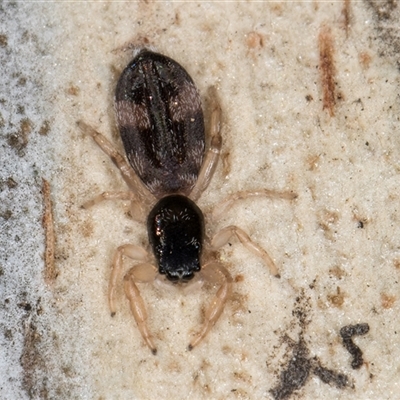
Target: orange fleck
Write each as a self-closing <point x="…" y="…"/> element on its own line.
<point x="255" y="40"/>
<point x="336" y="299"/>
<point x="387" y="301"/>
<point x="73" y="90"/>
<point x="239" y="278"/>
<point x="365" y="59"/>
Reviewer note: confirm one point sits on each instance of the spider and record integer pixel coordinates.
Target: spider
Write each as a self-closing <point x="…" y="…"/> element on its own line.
<point x="160" y="120"/>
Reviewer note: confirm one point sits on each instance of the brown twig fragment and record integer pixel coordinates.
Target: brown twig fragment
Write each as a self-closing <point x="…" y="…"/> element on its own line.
<point x="327" y="69"/>
<point x="50" y="272"/>
<point x="346" y="16"/>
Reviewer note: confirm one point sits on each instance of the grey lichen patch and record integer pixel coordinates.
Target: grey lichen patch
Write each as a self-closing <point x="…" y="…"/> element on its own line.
<point x="331" y="377"/>
<point x="347" y="333"/>
<point x="301" y="364"/>
<point x="383" y="10"/>
<point x="295" y="374"/>
<point x="300" y="367"/>
<point x="387" y="15"/>
<point x="27" y="349"/>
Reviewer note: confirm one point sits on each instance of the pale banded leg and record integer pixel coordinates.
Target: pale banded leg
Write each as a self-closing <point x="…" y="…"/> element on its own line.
<point x="128" y="174"/>
<point x="214" y="272"/>
<point x="129" y="250"/>
<point x="137" y="211"/>
<point x="211" y="158"/>
<point x="109" y="196"/>
<point x="227" y="203"/>
<point x="224" y="235"/>
<point x="140" y="273"/>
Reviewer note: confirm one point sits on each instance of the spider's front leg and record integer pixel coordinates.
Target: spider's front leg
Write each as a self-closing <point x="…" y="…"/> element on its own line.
<point x="140" y="273"/>
<point x="214" y="272"/>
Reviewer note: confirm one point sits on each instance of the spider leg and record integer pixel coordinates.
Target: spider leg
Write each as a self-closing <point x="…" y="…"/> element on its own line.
<point x="225" y="234"/>
<point x="214" y="272"/>
<point x="212" y="156"/>
<point x="137" y="211"/>
<point x="129" y="250"/>
<point x="228" y="202"/>
<point x="140" y="273"/>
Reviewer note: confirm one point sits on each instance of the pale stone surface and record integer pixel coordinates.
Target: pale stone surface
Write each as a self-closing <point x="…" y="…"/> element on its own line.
<point x="337" y="245"/>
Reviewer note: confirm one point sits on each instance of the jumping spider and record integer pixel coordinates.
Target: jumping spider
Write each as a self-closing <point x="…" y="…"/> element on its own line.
<point x="161" y="123"/>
